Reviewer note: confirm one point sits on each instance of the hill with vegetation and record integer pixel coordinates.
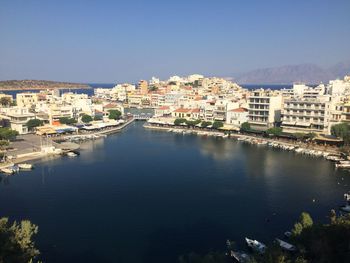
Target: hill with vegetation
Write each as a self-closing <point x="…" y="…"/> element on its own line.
<point x="39" y="84"/>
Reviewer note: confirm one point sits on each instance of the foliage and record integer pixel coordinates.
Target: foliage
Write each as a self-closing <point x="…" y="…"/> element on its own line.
<point x="86" y="118"/>
<point x="179" y="121"/>
<point x="68" y="121"/>
<point x="153" y="88"/>
<point x="299" y="135"/>
<point x="16" y="241"/>
<point x="341" y="130"/>
<point x="98" y="118"/>
<point x="114" y="114"/>
<point x="3" y="144"/>
<point x="192" y="122"/>
<point x="315" y="242"/>
<point x="245" y="126"/>
<point x="275" y="131"/>
<point x="34" y="123"/>
<point x="5" y="101"/>
<point x="7" y="134"/>
<point x="305" y="221"/>
<point x="205" y="124"/>
<point x="217" y="124"/>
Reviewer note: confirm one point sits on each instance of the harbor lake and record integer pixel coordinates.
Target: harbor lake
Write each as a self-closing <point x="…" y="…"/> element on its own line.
<point x="149" y="196"/>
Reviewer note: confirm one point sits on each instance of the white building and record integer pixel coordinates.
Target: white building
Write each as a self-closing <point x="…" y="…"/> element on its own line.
<point x="264" y="109"/>
<point x="18" y="118"/>
<point x="306" y="115"/>
<point x="237" y="116"/>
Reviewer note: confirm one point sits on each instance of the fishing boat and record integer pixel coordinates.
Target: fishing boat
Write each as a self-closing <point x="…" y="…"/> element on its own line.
<point x="25" y="166"/>
<point x="256" y="245"/>
<point x="286" y="246"/>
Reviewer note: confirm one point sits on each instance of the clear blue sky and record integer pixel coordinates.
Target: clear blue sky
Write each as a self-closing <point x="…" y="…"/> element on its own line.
<point x="116" y="41"/>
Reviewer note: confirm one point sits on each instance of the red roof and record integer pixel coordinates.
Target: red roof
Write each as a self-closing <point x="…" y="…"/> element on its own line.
<point x="239" y="110"/>
<point x="110" y="106"/>
<point x="182" y="110"/>
<point x="195" y="110"/>
<point x="164" y="108"/>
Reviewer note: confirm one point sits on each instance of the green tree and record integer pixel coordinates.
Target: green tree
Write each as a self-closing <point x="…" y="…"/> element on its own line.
<point x="205" y="124"/>
<point x="34" y="123"/>
<point x="217" y="124"/>
<point x="114" y="114"/>
<point x="245" y="126"/>
<point x="192" y="123"/>
<point x="4" y="144"/>
<point x="299" y="135"/>
<point x="179" y="121"/>
<point x="98" y="118"/>
<point x="66" y="120"/>
<point x="7" y="134"/>
<point x="86" y="118"/>
<point x="341" y="130"/>
<point x="275" y="131"/>
<point x="305" y="221"/>
<point x="5" y="101"/>
<point x="16" y="244"/>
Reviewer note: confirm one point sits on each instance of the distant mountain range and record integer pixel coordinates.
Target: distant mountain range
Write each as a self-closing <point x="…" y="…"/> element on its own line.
<point x="308" y="73"/>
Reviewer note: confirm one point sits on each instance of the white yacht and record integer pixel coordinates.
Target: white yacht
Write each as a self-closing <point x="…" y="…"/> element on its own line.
<point x="256" y="245"/>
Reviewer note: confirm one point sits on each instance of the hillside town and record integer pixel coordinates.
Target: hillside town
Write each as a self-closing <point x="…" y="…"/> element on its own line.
<point x="299" y="109"/>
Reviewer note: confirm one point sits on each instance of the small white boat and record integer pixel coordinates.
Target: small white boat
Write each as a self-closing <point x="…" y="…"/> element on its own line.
<point x="256" y="245"/>
<point x="285" y="245"/>
<point x="7" y="171"/>
<point x="71" y="154"/>
<point x="10" y="170"/>
<point x="342" y="165"/>
<point x="25" y="166"/>
<point x="240" y="256"/>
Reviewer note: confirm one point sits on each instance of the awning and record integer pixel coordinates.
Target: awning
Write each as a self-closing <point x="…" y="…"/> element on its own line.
<point x="303" y="124"/>
<point x="288" y="123"/>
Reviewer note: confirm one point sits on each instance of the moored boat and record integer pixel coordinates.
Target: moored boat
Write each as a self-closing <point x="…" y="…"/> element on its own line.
<point x="71" y="154"/>
<point x="240" y="256"/>
<point x="285" y="245"/>
<point x="256" y="245"/>
<point x="10" y="170"/>
<point x="25" y="166"/>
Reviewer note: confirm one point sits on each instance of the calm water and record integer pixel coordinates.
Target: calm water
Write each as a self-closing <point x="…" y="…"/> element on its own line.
<point x="90" y="92"/>
<point x="148" y="196"/>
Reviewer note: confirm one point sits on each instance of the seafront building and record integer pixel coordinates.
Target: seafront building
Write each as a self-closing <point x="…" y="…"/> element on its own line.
<point x="300" y="109"/>
<point x="264" y="109"/>
<point x="305" y="115"/>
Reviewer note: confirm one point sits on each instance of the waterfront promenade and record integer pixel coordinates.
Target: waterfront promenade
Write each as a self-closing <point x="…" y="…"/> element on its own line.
<point x="29" y="147"/>
<point x="235" y="135"/>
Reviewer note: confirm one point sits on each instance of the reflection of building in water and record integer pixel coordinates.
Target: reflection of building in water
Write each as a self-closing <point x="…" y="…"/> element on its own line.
<point x="219" y="149"/>
<point x="92" y="150"/>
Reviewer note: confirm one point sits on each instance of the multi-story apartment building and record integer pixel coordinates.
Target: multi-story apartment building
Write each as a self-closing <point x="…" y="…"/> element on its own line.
<point x="17" y="117"/>
<point x="26" y="99"/>
<point x="306" y="115"/>
<point x="264" y="109"/>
